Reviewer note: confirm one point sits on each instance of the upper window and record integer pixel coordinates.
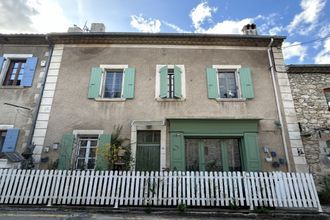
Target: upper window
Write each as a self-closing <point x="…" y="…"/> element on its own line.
<point x="112" y="82"/>
<point x="327" y="96"/>
<point x="17" y="69"/>
<point x="15" y="73"/>
<point x="229" y="82"/>
<point x="170" y="82"/>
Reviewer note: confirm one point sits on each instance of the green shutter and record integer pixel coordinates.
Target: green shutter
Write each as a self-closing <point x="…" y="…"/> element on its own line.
<point x="251" y="152"/>
<point x="177" y="82"/>
<point x="212" y="83"/>
<point x="129" y="78"/>
<point x="163" y="82"/>
<point x="65" y="154"/>
<point x="103" y="152"/>
<point x="246" y="83"/>
<point x="177" y="152"/>
<point x="94" y="82"/>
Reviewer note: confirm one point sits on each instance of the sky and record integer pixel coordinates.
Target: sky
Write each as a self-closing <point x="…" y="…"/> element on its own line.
<point x="305" y="23"/>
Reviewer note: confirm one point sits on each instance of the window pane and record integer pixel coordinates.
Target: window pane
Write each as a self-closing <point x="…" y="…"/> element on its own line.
<point x="81" y="164"/>
<point x="192" y="160"/>
<point x="113" y="83"/>
<point x="227" y="85"/>
<point x="82" y="152"/>
<point x="212" y="153"/>
<point x="91" y="164"/>
<point x="234" y="159"/>
<point x="92" y="152"/>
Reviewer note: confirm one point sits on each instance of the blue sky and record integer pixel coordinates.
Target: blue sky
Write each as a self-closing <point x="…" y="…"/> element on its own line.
<point x="300" y="20"/>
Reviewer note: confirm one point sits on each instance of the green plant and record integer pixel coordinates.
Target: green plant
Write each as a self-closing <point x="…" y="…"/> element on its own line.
<point x="182" y="208"/>
<point x="261" y="210"/>
<point x="324" y="194"/>
<point x="232" y="204"/>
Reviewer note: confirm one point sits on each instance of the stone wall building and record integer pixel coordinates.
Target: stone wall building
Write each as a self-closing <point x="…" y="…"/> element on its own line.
<point x="310" y="86"/>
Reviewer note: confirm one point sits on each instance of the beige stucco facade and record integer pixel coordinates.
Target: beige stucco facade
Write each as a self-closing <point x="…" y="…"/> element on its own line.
<point x="72" y="110"/>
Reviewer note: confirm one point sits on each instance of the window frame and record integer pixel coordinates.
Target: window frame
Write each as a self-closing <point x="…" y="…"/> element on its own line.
<point x="105" y="68"/>
<point x="183" y="82"/>
<point x="87" y="151"/>
<point x="325" y="92"/>
<point x="235" y="69"/>
<point x="5" y="67"/>
<point x="76" y="148"/>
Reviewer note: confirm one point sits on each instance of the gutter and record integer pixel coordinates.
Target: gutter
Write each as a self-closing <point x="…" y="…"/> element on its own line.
<point x="273" y="70"/>
<point x="35" y="114"/>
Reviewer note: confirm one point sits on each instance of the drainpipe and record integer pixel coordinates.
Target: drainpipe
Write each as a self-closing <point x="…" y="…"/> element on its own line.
<point x="35" y="114"/>
<point x="272" y="70"/>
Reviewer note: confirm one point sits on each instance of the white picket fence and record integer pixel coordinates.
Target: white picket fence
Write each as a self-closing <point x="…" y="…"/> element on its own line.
<point x="121" y="188"/>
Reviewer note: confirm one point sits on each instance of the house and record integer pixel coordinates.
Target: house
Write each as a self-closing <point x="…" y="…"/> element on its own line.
<point x="310" y="86"/>
<point x="23" y="60"/>
<point x="185" y="101"/>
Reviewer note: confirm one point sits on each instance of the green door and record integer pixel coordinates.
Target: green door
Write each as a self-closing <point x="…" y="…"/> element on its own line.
<point x="148" y="151"/>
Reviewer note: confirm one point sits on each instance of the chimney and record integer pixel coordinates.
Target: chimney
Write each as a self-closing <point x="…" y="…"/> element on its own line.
<point x="97" y="27"/>
<point x="75" y="28"/>
<point x="250" y="29"/>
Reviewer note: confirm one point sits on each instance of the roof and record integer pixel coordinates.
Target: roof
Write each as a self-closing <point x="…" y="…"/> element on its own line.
<point x="308" y="68"/>
<point x="142" y="38"/>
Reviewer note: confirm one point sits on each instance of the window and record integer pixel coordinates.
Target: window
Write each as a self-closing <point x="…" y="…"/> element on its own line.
<point x="15" y="73"/>
<point x="111" y="82"/>
<point x="86" y="152"/>
<point x="327" y="97"/>
<point x="170" y="82"/>
<point x="211" y="154"/>
<point x="17" y="69"/>
<point x="2" y="138"/>
<point x="229" y="82"/>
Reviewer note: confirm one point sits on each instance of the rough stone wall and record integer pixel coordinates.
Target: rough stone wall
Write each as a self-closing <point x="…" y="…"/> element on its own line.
<point x="314" y="117"/>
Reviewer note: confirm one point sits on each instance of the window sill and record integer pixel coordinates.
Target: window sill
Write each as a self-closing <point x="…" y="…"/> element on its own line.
<point x="231" y="100"/>
<point x="110" y="100"/>
<point x="170" y="100"/>
<point x="12" y="87"/>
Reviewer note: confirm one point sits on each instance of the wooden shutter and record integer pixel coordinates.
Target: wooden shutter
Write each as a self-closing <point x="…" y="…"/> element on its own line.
<point x="2" y="60"/>
<point x="163" y="82"/>
<point x="251" y="152"/>
<point x="29" y="70"/>
<point x="95" y="82"/>
<point x="177" y="82"/>
<point x="9" y="145"/>
<point x="103" y="151"/>
<point x="246" y="83"/>
<point x="65" y="154"/>
<point x="212" y="83"/>
<point x="129" y="78"/>
<point x="177" y="152"/>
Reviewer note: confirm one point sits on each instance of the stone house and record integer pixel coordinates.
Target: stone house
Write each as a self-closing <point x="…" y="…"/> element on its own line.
<point x="23" y="61"/>
<point x="185" y="102"/>
<point x="310" y="86"/>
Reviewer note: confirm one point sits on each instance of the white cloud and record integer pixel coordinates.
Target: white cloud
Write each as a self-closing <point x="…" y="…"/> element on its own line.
<point x="294" y="49"/>
<point x="50" y="17"/>
<point x="175" y="27"/>
<point x="323" y="57"/>
<point x="32" y="16"/>
<point x="200" y="13"/>
<point x="306" y="20"/>
<point x="145" y="25"/>
<point x="228" y="27"/>
<point x="275" y="30"/>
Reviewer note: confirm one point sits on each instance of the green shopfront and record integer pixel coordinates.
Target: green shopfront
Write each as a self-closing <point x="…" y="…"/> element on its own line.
<point x="214" y="145"/>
